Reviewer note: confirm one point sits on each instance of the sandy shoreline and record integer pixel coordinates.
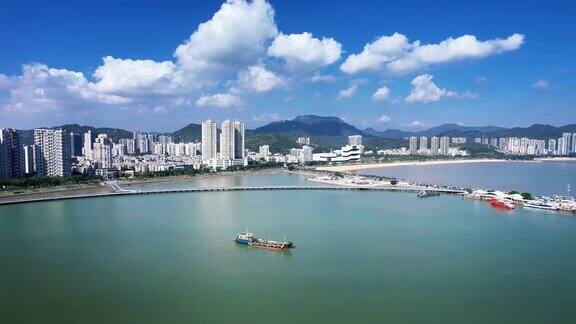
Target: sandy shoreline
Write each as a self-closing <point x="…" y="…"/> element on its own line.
<point x="355" y="167"/>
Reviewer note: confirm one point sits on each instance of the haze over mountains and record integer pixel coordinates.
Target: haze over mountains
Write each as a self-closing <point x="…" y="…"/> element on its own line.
<point x="331" y="132"/>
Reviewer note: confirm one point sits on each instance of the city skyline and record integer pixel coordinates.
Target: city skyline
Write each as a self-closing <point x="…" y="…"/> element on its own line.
<point x="381" y="73"/>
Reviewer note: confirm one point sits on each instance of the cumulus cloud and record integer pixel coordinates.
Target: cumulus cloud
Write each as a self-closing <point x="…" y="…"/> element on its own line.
<point x="397" y="54"/>
<point x="384" y="119"/>
<point x="220" y="100"/>
<point x="160" y="110"/>
<point x="303" y="52"/>
<point x="267" y="118"/>
<point x="236" y="36"/>
<point x="417" y="124"/>
<point x="541" y="85"/>
<point x="425" y="90"/>
<point x="317" y="77"/>
<point x="258" y="79"/>
<point x="348" y="92"/>
<point x="382" y="94"/>
<point x="125" y="76"/>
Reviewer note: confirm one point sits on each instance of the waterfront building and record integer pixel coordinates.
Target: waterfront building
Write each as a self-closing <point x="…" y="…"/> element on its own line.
<point x="444" y="145"/>
<point x="11" y="153"/>
<point x="303" y="155"/>
<point x="264" y="151"/>
<point x="208" y="140"/>
<point x="75" y="144"/>
<point x="118" y="150"/>
<point x="423" y="145"/>
<point x="567" y="143"/>
<point x="561" y="146"/>
<point x="458" y="140"/>
<point x="494" y="142"/>
<point x="552" y="146"/>
<point x="413" y="145"/>
<point x="87" y="147"/>
<point x="239" y="130"/>
<point x="29" y="159"/>
<point x="435" y="145"/>
<point x="53" y="158"/>
<point x="303" y="140"/>
<point x="227" y="141"/>
<point x="355" y="140"/>
<point x="102" y="151"/>
<point x="573" y="149"/>
<point x="478" y="140"/>
<point x="129" y="145"/>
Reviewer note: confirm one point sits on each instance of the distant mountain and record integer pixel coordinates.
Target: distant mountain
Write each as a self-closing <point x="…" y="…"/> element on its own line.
<point x="310" y="125"/>
<point x="434" y="131"/>
<point x="114" y="133"/>
<point x="189" y="133"/>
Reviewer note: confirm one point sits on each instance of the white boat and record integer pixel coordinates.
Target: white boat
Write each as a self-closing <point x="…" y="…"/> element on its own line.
<point x="539" y="205"/>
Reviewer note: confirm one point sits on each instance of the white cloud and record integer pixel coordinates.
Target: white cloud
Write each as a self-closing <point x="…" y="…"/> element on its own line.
<point x="480" y="79"/>
<point x="236" y="36"/>
<point x="258" y="79"/>
<point x="160" y="110"/>
<point x="317" y="77"/>
<point x="347" y="93"/>
<point x="382" y="94"/>
<point x="220" y="100"/>
<point x="397" y="54"/>
<point x="384" y="119"/>
<point x="303" y="52"/>
<point x="425" y="91"/>
<point x="125" y="75"/>
<point x="541" y="85"/>
<point x="468" y="95"/>
<point x="416" y="124"/>
<point x="267" y="118"/>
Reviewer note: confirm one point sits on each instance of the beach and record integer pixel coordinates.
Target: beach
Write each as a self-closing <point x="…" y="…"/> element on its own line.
<point x="355" y="167"/>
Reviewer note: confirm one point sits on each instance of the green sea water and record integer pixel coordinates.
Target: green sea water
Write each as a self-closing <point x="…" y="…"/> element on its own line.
<point x="359" y="257"/>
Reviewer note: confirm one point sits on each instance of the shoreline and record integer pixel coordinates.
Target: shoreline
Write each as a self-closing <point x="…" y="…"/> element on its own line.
<point x="356" y="167"/>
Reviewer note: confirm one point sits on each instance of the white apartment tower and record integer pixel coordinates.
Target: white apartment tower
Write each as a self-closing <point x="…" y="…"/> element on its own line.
<point x="208" y="140"/>
<point x="434" y="145"/>
<point x="227" y="142"/>
<point x="87" y="148"/>
<point x="423" y="144"/>
<point x="413" y="145"/>
<point x="102" y="151"/>
<point x="54" y="156"/>
<point x="444" y="145"/>
<point x="355" y="140"/>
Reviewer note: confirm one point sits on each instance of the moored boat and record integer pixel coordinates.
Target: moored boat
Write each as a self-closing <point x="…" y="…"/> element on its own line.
<point x="500" y="203"/>
<point x="537" y="204"/>
<point x="426" y="193"/>
<point x="251" y="240"/>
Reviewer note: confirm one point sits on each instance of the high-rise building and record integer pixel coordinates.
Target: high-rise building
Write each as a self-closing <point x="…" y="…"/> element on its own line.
<point x="30" y="152"/>
<point x="567" y="143"/>
<point x="355" y="140"/>
<point x="552" y="146"/>
<point x="413" y="145"/>
<point x="573" y="150"/>
<point x="102" y="151"/>
<point x="87" y="149"/>
<point x="75" y="144"/>
<point x="238" y="140"/>
<point x="54" y="157"/>
<point x="208" y="140"/>
<point x="444" y="145"/>
<point x="434" y="145"/>
<point x="303" y="140"/>
<point x="264" y="150"/>
<point x="227" y="141"/>
<point x="11" y="153"/>
<point x="423" y="144"/>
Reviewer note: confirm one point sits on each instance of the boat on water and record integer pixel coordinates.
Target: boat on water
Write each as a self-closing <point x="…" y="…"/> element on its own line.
<point x="501" y="203"/>
<point x="251" y="240"/>
<point x="426" y="193"/>
<point x="538" y="204"/>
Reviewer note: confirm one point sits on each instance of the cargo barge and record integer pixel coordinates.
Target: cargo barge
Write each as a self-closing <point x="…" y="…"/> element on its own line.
<point x="251" y="240"/>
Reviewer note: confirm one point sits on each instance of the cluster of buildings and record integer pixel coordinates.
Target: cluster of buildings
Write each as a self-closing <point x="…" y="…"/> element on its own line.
<point x="562" y="146"/>
<point x="437" y="146"/>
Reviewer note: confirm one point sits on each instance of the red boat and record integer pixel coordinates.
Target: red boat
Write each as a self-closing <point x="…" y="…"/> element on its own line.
<point x="500" y="203"/>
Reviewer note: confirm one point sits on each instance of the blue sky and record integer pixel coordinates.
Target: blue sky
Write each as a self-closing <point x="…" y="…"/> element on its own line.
<point x="149" y="65"/>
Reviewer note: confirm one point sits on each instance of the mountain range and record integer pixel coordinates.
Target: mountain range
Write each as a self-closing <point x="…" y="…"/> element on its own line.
<point x="332" y="132"/>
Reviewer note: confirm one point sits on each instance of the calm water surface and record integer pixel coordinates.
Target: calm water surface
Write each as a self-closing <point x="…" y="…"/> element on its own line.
<point x="539" y="178"/>
<point x="360" y="257"/>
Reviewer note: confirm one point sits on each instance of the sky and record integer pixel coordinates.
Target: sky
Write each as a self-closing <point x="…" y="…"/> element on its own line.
<point x="159" y="65"/>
